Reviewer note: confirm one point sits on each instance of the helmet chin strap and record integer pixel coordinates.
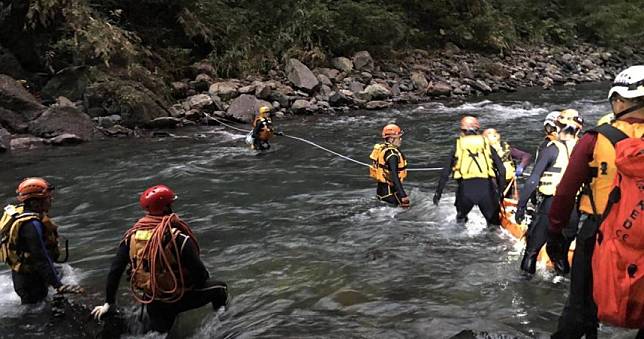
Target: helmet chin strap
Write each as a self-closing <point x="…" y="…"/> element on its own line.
<point x="631" y="109"/>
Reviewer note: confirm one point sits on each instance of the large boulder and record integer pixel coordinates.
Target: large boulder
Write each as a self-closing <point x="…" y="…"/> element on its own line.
<point x="224" y="90"/>
<point x="363" y="61"/>
<point x="136" y="104"/>
<point x="244" y="108"/>
<point x="199" y="101"/>
<point x="5" y="140"/>
<point x="60" y="120"/>
<point x="300" y="75"/>
<point x="343" y="64"/>
<point x="70" y="83"/>
<point x="10" y="65"/>
<point x="12" y="121"/>
<point x="419" y="80"/>
<point x="301" y="106"/>
<point x="14" y="97"/>
<point x="340" y="98"/>
<point x="375" y="92"/>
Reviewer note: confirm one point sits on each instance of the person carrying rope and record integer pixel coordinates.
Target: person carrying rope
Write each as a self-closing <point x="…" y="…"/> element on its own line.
<point x="545" y="178"/>
<point x="389" y="167"/>
<point x="475" y="165"/>
<point x="30" y="243"/>
<point x="165" y="271"/>
<point x="263" y="130"/>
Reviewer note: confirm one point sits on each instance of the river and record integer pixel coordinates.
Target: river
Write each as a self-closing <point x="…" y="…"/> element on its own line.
<point x="297" y="233"/>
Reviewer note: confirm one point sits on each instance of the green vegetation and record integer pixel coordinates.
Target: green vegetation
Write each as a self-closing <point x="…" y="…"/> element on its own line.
<point x="249" y="36"/>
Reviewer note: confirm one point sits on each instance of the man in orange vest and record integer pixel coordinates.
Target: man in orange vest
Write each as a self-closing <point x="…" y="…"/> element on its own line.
<point x="389" y="167"/>
<point x="592" y="162"/>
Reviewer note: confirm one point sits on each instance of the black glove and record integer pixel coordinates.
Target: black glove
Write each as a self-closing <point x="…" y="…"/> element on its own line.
<point x="404" y="202"/>
<point x="555" y="247"/>
<point x="519" y="215"/>
<point x="436" y="198"/>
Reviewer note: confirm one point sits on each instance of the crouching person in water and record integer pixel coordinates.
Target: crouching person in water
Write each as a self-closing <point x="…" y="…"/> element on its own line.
<point x="389" y="167"/>
<point x="262" y="130"/>
<point x="166" y="273"/>
<point x="30" y="243"/>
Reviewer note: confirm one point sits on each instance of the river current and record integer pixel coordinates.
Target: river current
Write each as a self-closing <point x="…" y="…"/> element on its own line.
<point x="297" y="233"/>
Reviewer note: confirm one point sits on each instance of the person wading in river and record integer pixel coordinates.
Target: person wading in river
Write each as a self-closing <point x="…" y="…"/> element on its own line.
<point x="508" y="155"/>
<point x="545" y="177"/>
<point x="592" y="163"/>
<point x="474" y="164"/>
<point x="389" y="167"/>
<point x="30" y="242"/>
<point x="166" y="273"/>
<point x="262" y="131"/>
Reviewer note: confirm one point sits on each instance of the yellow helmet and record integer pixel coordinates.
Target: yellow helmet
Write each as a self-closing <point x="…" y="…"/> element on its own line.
<point x="570" y="119"/>
<point x="492" y="136"/>
<point x="263" y="110"/>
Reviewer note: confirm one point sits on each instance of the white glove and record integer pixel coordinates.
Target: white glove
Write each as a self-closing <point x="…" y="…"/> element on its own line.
<point x="99" y="311"/>
<point x="250" y="139"/>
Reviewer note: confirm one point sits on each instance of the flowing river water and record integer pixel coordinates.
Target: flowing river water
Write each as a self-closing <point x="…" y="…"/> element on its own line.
<point x="297" y="233"/>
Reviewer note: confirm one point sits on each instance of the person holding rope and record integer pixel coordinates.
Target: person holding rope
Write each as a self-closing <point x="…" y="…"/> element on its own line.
<point x="262" y="131"/>
<point x="165" y="271"/>
<point x="389" y="167"/>
<point x="474" y="164"/>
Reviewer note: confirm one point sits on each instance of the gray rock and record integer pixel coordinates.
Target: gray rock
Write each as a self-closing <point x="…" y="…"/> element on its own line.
<point x="479" y="85"/>
<point x="247" y="89"/>
<point x="70" y="82"/>
<point x="5" y="140"/>
<point x="375" y="92"/>
<point x="203" y="67"/>
<point x="378" y="104"/>
<point x="301" y="107"/>
<point x="363" y="61"/>
<point x="356" y="87"/>
<point x="117" y="131"/>
<point x="337" y="99"/>
<point x="204" y="78"/>
<point x="56" y="121"/>
<point x="244" y="108"/>
<point x="366" y="77"/>
<point x="64" y="139"/>
<point x="64" y="102"/>
<point x="325" y="80"/>
<point x="164" y="122"/>
<point x="263" y="91"/>
<point x="343" y="64"/>
<point x="199" y="101"/>
<point x="14" y="97"/>
<point x="194" y="115"/>
<point x="438" y="88"/>
<point x="13" y="121"/>
<point x="325" y="91"/>
<point x="330" y="73"/>
<point x="179" y="89"/>
<point x="26" y="143"/>
<point x="108" y="121"/>
<point x="567" y="58"/>
<point x="300" y="75"/>
<point x="224" y="90"/>
<point x="419" y="80"/>
<point x="588" y="64"/>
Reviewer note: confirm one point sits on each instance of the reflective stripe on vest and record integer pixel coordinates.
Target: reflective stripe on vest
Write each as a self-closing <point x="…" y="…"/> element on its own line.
<point x="552" y="176"/>
<point x="603" y="167"/>
<point x="473" y="158"/>
<point x="379" y="169"/>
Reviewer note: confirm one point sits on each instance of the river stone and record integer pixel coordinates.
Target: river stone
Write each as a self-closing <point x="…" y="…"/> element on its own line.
<point x="247" y="89"/>
<point x="56" y="121"/>
<point x="199" y="101"/>
<point x="117" y="131"/>
<point x="363" y="61"/>
<point x="325" y="80"/>
<point x="5" y="140"/>
<point x="300" y="75"/>
<point x="263" y="91"/>
<point x="331" y="73"/>
<point x="378" y="104"/>
<point x="224" y="90"/>
<point x="64" y="139"/>
<point x="356" y="87"/>
<point x="343" y="64"/>
<point x="419" y="80"/>
<point x="26" y="143"/>
<point x="301" y="106"/>
<point x="375" y="92"/>
<point x="12" y="121"/>
<point x="203" y="67"/>
<point x="337" y="99"/>
<point x="164" y="122"/>
<point x="244" y="108"/>
<point x="14" y="97"/>
<point x="478" y="84"/>
<point x="179" y="89"/>
<point x="70" y="82"/>
<point x="439" y="88"/>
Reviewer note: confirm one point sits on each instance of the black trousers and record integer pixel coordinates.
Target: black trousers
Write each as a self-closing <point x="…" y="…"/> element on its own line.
<point x="30" y="287"/>
<point x="479" y="192"/>
<point x="387" y="193"/>
<point x="162" y="315"/>
<point x="537" y="235"/>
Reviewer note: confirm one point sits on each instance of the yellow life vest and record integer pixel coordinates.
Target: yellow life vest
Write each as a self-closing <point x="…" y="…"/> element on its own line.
<point x="12" y="220"/>
<point x="551" y="178"/>
<point x="379" y="170"/>
<point x="473" y="158"/>
<point x="266" y="132"/>
<point x="603" y="167"/>
<point x="504" y="151"/>
<point x="141" y="278"/>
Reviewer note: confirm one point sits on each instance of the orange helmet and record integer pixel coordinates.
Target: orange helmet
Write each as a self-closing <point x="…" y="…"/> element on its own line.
<point x="570" y="118"/>
<point x="33" y="188"/>
<point x="492" y="135"/>
<point x="391" y="130"/>
<point x="470" y="123"/>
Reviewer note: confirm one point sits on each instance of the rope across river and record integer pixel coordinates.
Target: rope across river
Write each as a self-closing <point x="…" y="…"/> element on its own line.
<point x="420" y="169"/>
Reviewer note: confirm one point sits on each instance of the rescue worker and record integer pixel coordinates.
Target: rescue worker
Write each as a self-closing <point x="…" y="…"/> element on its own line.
<point x="30" y="243"/>
<point x="389" y="167"/>
<point x="474" y="164"/>
<point x="165" y="271"/>
<point x="508" y="154"/>
<point x="262" y="130"/>
<point x="550" y="130"/>
<point x="593" y="162"/>
<point x="545" y="177"/>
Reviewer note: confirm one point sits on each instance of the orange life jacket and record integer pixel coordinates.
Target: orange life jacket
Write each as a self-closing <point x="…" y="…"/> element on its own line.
<point x="266" y="132"/>
<point x="618" y="259"/>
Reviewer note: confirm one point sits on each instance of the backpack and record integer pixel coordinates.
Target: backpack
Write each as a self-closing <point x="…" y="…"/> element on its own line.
<point x="618" y="258"/>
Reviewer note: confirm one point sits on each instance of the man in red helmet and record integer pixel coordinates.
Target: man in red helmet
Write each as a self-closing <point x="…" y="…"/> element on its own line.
<point x="30" y="242"/>
<point x="166" y="273"/>
<point x="389" y="167"/>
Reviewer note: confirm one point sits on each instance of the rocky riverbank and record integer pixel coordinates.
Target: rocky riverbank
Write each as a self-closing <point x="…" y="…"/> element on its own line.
<point x="82" y="107"/>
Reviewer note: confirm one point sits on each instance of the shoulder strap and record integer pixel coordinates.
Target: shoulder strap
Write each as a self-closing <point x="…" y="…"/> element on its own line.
<point x="612" y="133"/>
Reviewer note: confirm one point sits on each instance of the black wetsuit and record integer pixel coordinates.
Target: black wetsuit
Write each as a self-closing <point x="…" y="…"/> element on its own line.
<point x="33" y="287"/>
<point x="388" y="193"/>
<point x="537" y="234"/>
<point x="261" y="145"/>
<point x="481" y="192"/>
<point x="162" y="315"/>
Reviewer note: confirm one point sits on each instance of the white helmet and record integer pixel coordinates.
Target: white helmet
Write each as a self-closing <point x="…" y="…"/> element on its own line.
<point x="551" y="119"/>
<point x="629" y="83"/>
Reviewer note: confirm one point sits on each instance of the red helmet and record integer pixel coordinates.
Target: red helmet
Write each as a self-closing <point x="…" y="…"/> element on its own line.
<point x="391" y="131"/>
<point x="470" y="123"/>
<point x="33" y="188"/>
<point x="156" y="198"/>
